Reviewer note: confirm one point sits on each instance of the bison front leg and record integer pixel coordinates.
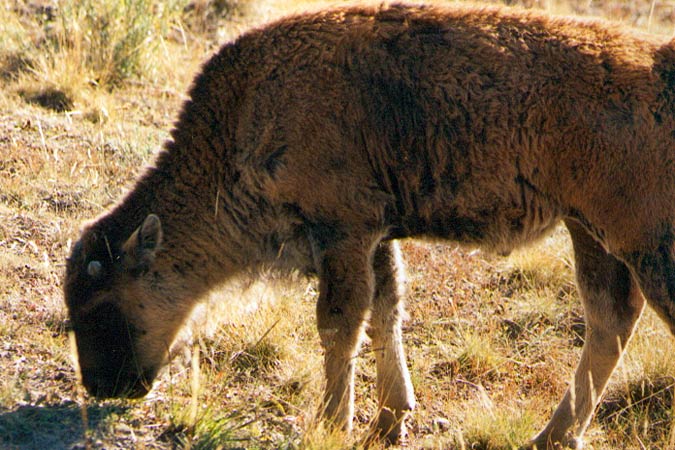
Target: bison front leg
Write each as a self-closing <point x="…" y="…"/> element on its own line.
<point x="612" y="304"/>
<point x="346" y="288"/>
<point x="394" y="389"/>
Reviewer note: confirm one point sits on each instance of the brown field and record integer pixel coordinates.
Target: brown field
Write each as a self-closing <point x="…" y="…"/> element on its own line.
<point x="88" y="92"/>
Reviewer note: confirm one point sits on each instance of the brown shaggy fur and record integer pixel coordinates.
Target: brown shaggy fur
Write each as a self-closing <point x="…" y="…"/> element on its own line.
<point x="314" y="142"/>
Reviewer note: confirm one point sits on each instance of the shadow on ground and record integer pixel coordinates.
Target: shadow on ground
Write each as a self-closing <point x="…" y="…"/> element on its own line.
<point x="49" y="427"/>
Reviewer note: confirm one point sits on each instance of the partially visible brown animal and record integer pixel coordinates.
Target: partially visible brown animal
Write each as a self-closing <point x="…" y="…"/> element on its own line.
<point x="313" y="143"/>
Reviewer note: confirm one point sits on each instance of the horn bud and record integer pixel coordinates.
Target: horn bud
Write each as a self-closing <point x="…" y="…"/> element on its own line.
<point x="94" y="269"/>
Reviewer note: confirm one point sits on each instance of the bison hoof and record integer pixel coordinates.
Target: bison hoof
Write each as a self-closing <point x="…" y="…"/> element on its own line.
<point x="390" y="427"/>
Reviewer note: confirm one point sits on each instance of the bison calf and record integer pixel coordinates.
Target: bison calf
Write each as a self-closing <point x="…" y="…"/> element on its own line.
<point x="312" y="144"/>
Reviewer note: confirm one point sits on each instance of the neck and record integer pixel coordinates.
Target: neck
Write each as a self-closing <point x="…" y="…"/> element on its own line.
<point x="208" y="238"/>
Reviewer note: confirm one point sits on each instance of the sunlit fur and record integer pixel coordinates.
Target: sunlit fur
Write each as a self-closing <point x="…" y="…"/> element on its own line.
<point x="311" y="143"/>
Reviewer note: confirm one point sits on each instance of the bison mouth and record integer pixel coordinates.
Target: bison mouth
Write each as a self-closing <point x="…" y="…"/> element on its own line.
<point x="107" y="358"/>
<point x="117" y="385"/>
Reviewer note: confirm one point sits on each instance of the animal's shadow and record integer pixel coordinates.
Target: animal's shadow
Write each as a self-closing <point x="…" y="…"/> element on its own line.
<point x="50" y="427"/>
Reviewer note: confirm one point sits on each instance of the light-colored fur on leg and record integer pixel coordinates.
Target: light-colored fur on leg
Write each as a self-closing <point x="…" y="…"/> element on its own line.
<point x="394" y="388"/>
<point x="346" y="290"/>
<point x="612" y="304"/>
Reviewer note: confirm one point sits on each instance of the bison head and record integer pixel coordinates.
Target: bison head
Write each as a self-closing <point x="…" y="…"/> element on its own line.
<point x="117" y="310"/>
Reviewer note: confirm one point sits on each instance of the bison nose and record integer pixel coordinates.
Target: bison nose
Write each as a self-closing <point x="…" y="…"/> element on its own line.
<point x="94" y="385"/>
<point x="99" y="385"/>
<point x="117" y="386"/>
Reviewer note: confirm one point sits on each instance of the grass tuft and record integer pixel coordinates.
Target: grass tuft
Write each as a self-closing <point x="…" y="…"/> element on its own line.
<point x="211" y="430"/>
<point x="79" y="47"/>
<point x="480" y="358"/>
<point x="256" y="358"/>
<point x="503" y="429"/>
<point x="643" y="409"/>
<point x="110" y="41"/>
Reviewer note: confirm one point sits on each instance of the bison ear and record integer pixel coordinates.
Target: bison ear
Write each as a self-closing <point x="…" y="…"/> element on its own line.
<point x="142" y="245"/>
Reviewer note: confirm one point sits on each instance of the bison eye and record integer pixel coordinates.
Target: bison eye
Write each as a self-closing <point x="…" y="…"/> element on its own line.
<point x="94" y="269"/>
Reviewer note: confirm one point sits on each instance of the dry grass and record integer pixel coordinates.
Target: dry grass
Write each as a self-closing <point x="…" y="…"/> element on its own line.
<point x="492" y="342"/>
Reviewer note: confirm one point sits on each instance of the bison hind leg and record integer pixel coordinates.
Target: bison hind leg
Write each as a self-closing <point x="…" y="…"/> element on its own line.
<point x="655" y="272"/>
<point x="394" y="388"/>
<point x="612" y="305"/>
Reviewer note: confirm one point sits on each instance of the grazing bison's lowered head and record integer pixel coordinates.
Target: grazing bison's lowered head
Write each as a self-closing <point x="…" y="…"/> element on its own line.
<point x="112" y="307"/>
